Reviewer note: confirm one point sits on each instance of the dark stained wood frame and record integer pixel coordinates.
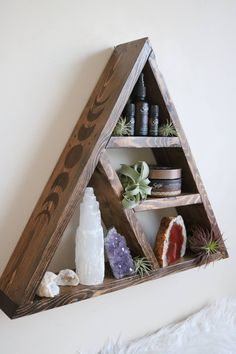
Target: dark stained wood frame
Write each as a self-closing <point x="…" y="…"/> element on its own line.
<point x="108" y="188"/>
<point x="73" y="294"/>
<point x="171" y="202"/>
<point x="142" y="142"/>
<point x="76" y="168"/>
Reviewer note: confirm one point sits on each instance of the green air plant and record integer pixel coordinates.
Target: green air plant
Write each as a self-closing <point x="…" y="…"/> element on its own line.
<point x="205" y="244"/>
<point x="122" y="127"/>
<point x="142" y="266"/>
<point x="167" y="129"/>
<point x="135" y="182"/>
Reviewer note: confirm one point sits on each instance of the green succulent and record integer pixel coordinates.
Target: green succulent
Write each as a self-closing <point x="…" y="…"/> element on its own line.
<point x="135" y="182"/>
<point x="122" y="128"/>
<point x="167" y="129"/>
<point x="142" y="266"/>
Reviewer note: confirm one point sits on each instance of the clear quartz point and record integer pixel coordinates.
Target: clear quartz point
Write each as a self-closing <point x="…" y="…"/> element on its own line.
<point x="89" y="251"/>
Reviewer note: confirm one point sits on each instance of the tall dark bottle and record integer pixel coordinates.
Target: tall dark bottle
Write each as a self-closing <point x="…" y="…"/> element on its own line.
<point x="129" y="113"/>
<point x="141" y="108"/>
<point x="153" y="120"/>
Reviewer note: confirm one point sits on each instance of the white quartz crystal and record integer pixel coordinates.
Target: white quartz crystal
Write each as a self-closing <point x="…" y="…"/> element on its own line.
<point x="89" y="253"/>
<point x="67" y="277"/>
<point x="48" y="286"/>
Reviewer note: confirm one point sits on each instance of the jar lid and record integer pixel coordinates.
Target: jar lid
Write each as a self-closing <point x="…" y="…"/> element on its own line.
<point x="157" y="172"/>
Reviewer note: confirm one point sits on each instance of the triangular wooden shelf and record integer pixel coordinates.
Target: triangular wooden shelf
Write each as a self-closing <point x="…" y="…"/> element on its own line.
<point x="84" y="161"/>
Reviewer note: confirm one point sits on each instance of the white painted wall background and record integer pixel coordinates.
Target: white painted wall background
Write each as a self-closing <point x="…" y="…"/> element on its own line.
<point x="51" y="55"/>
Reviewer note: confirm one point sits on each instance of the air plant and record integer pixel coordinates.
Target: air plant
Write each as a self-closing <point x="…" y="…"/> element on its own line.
<point x="122" y="128"/>
<point x="142" y="266"/>
<point x="205" y="244"/>
<point x="167" y="129"/>
<point x="135" y="182"/>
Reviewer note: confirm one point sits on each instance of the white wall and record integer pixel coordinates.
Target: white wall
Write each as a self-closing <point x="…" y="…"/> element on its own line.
<point x="51" y="55"/>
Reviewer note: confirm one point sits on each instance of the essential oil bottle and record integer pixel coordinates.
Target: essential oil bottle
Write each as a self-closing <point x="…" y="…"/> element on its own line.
<point x="141" y="108"/>
<point x="153" y="120"/>
<point x="129" y="113"/>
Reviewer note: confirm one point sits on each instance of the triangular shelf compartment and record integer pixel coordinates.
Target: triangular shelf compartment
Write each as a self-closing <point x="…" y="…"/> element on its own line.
<point x="84" y="160"/>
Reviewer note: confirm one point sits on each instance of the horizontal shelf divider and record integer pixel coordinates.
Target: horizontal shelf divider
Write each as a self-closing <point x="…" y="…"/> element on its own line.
<point x="142" y="142"/>
<point x="71" y="294"/>
<point x="170" y="202"/>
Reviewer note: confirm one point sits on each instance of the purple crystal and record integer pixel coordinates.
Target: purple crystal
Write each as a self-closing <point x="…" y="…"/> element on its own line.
<point x="118" y="254"/>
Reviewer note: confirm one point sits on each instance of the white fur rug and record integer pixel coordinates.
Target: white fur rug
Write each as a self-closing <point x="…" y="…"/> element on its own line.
<point x="210" y="331"/>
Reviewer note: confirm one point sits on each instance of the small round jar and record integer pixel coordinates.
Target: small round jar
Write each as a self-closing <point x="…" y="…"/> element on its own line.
<point x="165" y="181"/>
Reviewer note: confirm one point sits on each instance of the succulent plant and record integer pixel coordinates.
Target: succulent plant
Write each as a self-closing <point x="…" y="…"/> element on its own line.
<point x="122" y="128"/>
<point x="135" y="182"/>
<point x="142" y="266"/>
<point x="205" y="244"/>
<point x="167" y="129"/>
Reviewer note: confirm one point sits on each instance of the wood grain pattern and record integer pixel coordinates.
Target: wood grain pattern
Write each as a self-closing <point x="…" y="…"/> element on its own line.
<point x="108" y="190"/>
<point x="171" y="202"/>
<point x="142" y="142"/>
<point x="180" y="157"/>
<point x="8" y="306"/>
<point x="74" y="168"/>
<point x="71" y="295"/>
<point x="166" y="156"/>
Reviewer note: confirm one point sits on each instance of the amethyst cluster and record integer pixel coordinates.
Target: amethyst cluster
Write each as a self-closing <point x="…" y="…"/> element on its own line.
<point x="118" y="254"/>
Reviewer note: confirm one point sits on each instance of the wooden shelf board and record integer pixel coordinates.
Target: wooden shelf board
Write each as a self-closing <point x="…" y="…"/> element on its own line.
<point x="142" y="142"/>
<point x="75" y="168"/>
<point x="170" y="202"/>
<point x="73" y="294"/>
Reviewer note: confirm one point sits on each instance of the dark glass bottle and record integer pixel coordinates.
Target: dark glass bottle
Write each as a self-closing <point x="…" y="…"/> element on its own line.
<point x="153" y="120"/>
<point x="129" y="112"/>
<point x="141" y="108"/>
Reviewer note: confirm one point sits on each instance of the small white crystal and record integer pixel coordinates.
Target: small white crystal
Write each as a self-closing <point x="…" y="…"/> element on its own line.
<point x="67" y="277"/>
<point x="48" y="286"/>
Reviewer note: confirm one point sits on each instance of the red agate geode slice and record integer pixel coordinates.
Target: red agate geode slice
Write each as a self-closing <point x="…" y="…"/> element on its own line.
<point x="171" y="240"/>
